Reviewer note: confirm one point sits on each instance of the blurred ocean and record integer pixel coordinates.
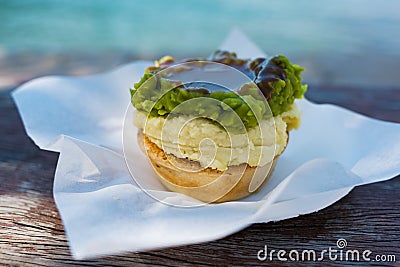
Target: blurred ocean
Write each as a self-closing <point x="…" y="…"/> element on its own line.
<point x="341" y="41"/>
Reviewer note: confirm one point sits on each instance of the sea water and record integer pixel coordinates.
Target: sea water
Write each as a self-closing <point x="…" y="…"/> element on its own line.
<point x="324" y="35"/>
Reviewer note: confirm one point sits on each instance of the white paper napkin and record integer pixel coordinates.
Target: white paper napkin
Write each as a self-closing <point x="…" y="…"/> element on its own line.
<point x="104" y="212"/>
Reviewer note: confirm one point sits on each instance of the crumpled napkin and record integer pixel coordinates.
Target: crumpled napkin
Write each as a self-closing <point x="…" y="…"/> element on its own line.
<point x="105" y="212"/>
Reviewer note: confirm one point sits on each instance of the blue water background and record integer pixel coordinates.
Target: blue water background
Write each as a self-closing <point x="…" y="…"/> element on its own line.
<point x="324" y="35"/>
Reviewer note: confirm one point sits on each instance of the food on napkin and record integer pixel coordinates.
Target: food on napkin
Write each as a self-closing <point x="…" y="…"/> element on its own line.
<point x="209" y="141"/>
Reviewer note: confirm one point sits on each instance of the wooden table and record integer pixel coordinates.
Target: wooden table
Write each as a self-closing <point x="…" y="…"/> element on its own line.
<point x="31" y="232"/>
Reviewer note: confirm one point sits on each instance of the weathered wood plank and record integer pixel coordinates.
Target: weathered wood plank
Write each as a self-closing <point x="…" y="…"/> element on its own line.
<point x="31" y="232"/>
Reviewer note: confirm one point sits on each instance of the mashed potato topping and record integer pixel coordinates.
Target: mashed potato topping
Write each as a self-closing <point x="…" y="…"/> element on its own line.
<point x="202" y="140"/>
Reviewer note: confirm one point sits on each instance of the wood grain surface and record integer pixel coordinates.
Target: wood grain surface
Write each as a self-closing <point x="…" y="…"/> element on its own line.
<point x="31" y="232"/>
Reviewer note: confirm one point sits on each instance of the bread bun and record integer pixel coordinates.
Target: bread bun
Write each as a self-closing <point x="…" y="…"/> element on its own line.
<point x="208" y="185"/>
